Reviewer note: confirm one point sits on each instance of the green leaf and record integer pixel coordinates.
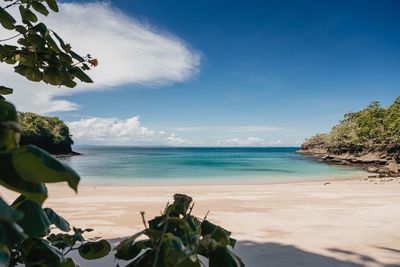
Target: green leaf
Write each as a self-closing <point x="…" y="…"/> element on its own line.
<point x="7" y="213"/>
<point x="7" y="112"/>
<point x="61" y="241"/>
<point x="11" y="233"/>
<point x="64" y="46"/>
<point x="35" y="221"/>
<point x="37" y="252"/>
<point x="26" y="59"/>
<point x="6" y="20"/>
<point x="53" y="76"/>
<point x="52" y="44"/>
<point x="27" y="15"/>
<point x="57" y="220"/>
<point x="226" y="258"/>
<point x="76" y="56"/>
<point x="36" y="165"/>
<point x="181" y="203"/>
<point x="52" y="5"/>
<point x="39" y="7"/>
<point x="5" y="90"/>
<point x="40" y="27"/>
<point x="11" y="180"/>
<point x="94" y="250"/>
<point x="21" y="29"/>
<point x="81" y="75"/>
<point x="129" y="248"/>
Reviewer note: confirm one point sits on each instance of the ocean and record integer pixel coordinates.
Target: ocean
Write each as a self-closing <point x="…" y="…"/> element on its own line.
<point x="174" y="165"/>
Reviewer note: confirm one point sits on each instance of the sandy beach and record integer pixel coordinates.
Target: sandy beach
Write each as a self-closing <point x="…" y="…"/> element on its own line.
<point x="335" y="223"/>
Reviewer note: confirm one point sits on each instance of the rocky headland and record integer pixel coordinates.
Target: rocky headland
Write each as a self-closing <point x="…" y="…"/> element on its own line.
<point x="369" y="138"/>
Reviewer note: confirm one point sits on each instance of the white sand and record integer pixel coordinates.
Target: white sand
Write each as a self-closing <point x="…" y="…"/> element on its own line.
<point x="343" y="223"/>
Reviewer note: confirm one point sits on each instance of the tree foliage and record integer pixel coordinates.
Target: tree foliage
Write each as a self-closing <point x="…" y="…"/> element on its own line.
<point x="374" y="128"/>
<point x="48" y="133"/>
<point x="25" y="169"/>
<point x="37" y="52"/>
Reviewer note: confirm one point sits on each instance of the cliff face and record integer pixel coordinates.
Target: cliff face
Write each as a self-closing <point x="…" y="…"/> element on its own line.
<point x="369" y="138"/>
<point x="48" y="133"/>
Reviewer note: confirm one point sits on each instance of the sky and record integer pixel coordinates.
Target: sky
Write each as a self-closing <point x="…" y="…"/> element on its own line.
<point x="219" y="73"/>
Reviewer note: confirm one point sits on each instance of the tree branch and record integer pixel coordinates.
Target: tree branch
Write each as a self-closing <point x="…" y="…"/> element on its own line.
<point x="12" y="4"/>
<point x="12" y="37"/>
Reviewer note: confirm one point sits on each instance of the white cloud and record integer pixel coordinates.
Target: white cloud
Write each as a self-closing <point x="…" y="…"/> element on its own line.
<point x="250" y="141"/>
<point x="129" y="52"/>
<point x="130" y="131"/>
<point x="113" y="131"/>
<point x="110" y="130"/>
<point x="246" y="128"/>
<point x="174" y="140"/>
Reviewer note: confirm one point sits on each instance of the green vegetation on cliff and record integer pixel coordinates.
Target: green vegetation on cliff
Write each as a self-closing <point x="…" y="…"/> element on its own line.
<point x="48" y="133"/>
<point x="372" y="129"/>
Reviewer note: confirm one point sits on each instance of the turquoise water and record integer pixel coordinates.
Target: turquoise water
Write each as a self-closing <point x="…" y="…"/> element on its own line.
<point x="168" y="165"/>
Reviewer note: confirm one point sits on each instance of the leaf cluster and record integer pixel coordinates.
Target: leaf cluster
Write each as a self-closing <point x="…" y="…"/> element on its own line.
<point x="25" y="223"/>
<point x="39" y="53"/>
<point x="178" y="239"/>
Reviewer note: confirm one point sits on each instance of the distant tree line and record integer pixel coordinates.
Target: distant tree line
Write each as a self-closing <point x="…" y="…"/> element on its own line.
<point x="48" y="133"/>
<point x="372" y="129"/>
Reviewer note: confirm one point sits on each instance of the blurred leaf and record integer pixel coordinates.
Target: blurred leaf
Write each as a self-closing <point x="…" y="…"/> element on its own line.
<point x="57" y="220"/>
<point x="11" y="180"/>
<point x="37" y="252"/>
<point x="52" y="44"/>
<point x="6" y="20"/>
<point x="7" y="213"/>
<point x="27" y="15"/>
<point x="40" y="27"/>
<point x="94" y="250"/>
<point x="81" y="75"/>
<point x="130" y="248"/>
<point x="182" y="203"/>
<point x="52" y="4"/>
<point x="36" y="165"/>
<point x="39" y="7"/>
<point x="5" y="90"/>
<point x="76" y="56"/>
<point x="11" y="233"/>
<point x="7" y="111"/>
<point x="35" y="221"/>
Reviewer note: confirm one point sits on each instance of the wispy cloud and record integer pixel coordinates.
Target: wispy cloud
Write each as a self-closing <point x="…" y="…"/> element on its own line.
<point x="248" y="142"/>
<point x="246" y="128"/>
<point x="129" y="52"/>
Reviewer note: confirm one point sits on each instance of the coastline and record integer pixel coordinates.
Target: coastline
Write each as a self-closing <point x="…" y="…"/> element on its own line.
<point x="333" y="223"/>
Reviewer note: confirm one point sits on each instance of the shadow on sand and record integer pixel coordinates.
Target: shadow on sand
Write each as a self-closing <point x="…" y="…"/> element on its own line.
<point x="278" y="255"/>
<point x="281" y="255"/>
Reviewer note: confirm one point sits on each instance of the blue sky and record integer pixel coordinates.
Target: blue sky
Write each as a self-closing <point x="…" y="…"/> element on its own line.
<point x="262" y="72"/>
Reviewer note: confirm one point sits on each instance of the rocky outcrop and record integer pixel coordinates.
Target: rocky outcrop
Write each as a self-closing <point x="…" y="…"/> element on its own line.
<point x="379" y="163"/>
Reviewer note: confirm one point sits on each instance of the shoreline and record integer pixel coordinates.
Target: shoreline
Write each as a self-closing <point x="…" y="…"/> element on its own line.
<point x="239" y="180"/>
